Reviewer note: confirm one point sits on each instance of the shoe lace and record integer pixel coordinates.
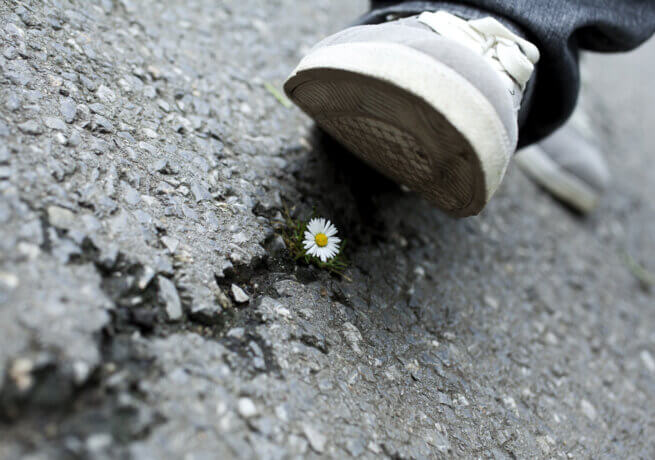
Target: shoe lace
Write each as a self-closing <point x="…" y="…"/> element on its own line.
<point x="511" y="55"/>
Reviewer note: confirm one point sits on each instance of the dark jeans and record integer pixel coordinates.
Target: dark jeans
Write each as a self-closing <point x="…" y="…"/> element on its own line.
<point x="560" y="28"/>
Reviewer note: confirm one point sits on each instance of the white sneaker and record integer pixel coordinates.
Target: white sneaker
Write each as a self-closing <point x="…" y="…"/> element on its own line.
<point x="568" y="167"/>
<point x="430" y="101"/>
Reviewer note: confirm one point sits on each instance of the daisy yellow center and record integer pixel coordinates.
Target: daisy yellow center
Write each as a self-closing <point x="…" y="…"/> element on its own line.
<point x="321" y="240"/>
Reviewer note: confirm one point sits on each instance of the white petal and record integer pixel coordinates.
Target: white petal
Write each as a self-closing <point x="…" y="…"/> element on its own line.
<point x="320" y="226"/>
<point x="331" y="231"/>
<point x="323" y="254"/>
<point x="327" y="252"/>
<point x="314" y="226"/>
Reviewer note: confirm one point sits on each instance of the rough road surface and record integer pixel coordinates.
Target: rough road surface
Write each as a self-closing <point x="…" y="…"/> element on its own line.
<point x="144" y="168"/>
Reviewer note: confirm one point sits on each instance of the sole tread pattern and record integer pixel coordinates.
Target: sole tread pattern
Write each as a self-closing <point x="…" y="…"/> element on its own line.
<point x="395" y="132"/>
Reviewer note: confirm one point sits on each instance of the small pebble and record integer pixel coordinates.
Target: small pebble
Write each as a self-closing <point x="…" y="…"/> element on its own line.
<point x="171" y="243"/>
<point x="55" y="123"/>
<point x="247" y="408"/>
<point x="149" y="133"/>
<point x="238" y="294"/>
<point x="106" y="94"/>
<point x="316" y="439"/>
<point x="588" y="409"/>
<point x="61" y="217"/>
<point x="170" y="298"/>
<point x="31" y="127"/>
<point x="648" y="360"/>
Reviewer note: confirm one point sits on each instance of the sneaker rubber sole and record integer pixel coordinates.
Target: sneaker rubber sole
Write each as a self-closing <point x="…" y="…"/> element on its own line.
<point x="410" y="117"/>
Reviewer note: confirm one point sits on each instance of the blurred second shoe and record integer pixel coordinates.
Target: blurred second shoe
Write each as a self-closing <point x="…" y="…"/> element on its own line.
<point x="569" y="167"/>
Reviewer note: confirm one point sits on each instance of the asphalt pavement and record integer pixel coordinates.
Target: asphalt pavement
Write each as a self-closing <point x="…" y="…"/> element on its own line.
<point x="150" y="309"/>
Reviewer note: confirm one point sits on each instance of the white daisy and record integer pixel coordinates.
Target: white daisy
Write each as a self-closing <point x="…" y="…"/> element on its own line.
<point x="321" y="240"/>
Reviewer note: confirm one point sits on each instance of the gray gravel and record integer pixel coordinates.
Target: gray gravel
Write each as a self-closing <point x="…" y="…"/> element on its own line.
<point x="149" y="310"/>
